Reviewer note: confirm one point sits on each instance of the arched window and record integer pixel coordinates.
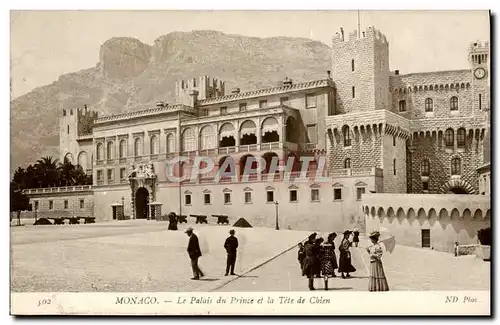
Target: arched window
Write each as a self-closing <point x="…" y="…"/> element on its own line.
<point x="454" y="103"/>
<point x="188" y="140"/>
<point x="207" y="138"/>
<point x="347" y="136"/>
<point x="456" y="166"/>
<point x="425" y="168"/>
<point x="153" y="145"/>
<point x="99" y="151"/>
<point x="138" y="147"/>
<point x="402" y="105"/>
<point x="347" y="163"/>
<point x="170" y="143"/>
<point x="123" y="149"/>
<point x="429" y="105"/>
<point x="449" y="138"/>
<point x="109" y="150"/>
<point x="461" y="138"/>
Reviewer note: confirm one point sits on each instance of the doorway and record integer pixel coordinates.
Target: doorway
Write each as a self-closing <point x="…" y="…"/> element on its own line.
<point x="141" y="203"/>
<point x="426" y="238"/>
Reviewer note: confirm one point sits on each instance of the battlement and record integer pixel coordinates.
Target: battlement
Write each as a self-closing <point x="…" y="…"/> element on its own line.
<point x="206" y="87"/>
<point x="371" y="33"/>
<point x="479" y="46"/>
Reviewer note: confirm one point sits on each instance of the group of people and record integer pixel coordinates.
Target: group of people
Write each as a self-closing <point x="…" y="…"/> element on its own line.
<point x="194" y="252"/>
<point x="317" y="259"/>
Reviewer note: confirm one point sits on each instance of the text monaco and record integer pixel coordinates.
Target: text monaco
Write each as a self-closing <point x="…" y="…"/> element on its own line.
<point x="253" y="166"/>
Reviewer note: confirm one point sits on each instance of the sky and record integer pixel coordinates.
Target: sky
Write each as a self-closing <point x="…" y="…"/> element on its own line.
<point x="46" y="44"/>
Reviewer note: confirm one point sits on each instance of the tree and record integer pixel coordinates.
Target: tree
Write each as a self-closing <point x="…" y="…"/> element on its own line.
<point x="18" y="202"/>
<point x="47" y="172"/>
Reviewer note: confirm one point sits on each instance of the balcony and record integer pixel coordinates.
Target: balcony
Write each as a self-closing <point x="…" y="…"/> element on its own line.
<point x="124" y="181"/>
<point x="80" y="188"/>
<point x="123" y="160"/>
<point x="247" y="148"/>
<point x="110" y="161"/>
<point x="100" y="182"/>
<point x="99" y="162"/>
<point x="227" y="150"/>
<point x="153" y="157"/>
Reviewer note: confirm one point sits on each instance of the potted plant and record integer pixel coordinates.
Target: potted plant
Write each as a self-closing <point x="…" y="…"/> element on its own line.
<point x="484" y="249"/>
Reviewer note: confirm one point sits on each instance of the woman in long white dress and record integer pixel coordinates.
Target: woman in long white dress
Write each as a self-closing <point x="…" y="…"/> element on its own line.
<point x="378" y="281"/>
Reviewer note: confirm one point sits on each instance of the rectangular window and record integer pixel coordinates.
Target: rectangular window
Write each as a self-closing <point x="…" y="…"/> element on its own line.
<point x="187" y="199"/>
<point x="293" y="195"/>
<point x="223" y="110"/>
<point x="110" y="175"/>
<point x="353" y="92"/>
<point x="51" y="205"/>
<point x="312" y="133"/>
<point x="122" y="174"/>
<point x="65" y="204"/>
<point x="284" y="101"/>
<point x="68" y="129"/>
<point x="263" y="104"/>
<point x="315" y="195"/>
<point x="310" y="101"/>
<point x="337" y="194"/>
<point x="227" y="198"/>
<point x="402" y="106"/>
<point x="82" y="203"/>
<point x="248" y="197"/>
<point x="359" y="192"/>
<point x="99" y="175"/>
<point x="479" y="101"/>
<point x="243" y="107"/>
<point x="426" y="238"/>
<point x="36" y="205"/>
<point x="425" y="186"/>
<point x="206" y="198"/>
<point x="270" y="196"/>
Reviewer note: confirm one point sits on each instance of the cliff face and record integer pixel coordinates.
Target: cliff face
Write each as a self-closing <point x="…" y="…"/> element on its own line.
<point x="131" y="75"/>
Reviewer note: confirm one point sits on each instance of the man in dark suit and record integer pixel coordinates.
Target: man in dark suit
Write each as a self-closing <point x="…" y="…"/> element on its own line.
<point x="231" y="245"/>
<point x="194" y="253"/>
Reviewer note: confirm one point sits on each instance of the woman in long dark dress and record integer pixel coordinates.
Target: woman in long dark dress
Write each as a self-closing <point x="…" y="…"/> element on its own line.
<point x="319" y="257"/>
<point x="378" y="281"/>
<point x="300" y="257"/>
<point x="310" y="259"/>
<point x="345" y="265"/>
<point x="355" y="237"/>
<point x="329" y="259"/>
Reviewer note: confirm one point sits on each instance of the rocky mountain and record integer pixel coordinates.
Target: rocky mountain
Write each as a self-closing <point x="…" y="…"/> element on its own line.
<point x="131" y="75"/>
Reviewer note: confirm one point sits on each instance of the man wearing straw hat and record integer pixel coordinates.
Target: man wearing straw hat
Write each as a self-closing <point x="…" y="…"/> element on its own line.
<point x="194" y="252"/>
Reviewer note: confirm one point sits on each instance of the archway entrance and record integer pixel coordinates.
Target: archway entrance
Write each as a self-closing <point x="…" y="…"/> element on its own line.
<point x="141" y="203"/>
<point x="457" y="190"/>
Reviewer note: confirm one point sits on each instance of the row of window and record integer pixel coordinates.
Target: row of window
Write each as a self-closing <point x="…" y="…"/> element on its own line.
<point x="66" y="204"/>
<point x="456" y="167"/>
<point x="347" y="137"/>
<point x="429" y="104"/>
<point x="293" y="196"/>
<point x="310" y="100"/>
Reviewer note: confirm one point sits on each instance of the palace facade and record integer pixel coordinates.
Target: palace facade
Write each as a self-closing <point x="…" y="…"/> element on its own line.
<point x="378" y="130"/>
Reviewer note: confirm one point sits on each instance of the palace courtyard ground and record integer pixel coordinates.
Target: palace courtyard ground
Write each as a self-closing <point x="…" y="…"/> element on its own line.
<point x="142" y="256"/>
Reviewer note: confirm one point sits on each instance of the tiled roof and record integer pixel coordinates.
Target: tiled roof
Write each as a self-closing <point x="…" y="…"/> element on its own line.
<point x="148" y="112"/>
<point x="269" y="91"/>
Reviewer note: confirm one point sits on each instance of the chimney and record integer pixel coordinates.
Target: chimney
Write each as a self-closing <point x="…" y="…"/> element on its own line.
<point x="396" y="72"/>
<point x="287" y="82"/>
<point x="328" y="72"/>
<point x="235" y="91"/>
<point x="342" y="33"/>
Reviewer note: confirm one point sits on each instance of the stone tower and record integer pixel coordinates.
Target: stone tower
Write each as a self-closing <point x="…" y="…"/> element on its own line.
<point x="73" y="124"/>
<point x="479" y="59"/>
<point x="360" y="67"/>
<point x="187" y="92"/>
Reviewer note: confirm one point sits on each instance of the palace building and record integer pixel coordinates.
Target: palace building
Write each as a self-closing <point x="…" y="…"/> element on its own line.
<point x="378" y="131"/>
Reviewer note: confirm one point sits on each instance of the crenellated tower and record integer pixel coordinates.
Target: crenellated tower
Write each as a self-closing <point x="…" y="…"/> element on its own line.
<point x="360" y="66"/>
<point x="74" y="126"/>
<point x="189" y="91"/>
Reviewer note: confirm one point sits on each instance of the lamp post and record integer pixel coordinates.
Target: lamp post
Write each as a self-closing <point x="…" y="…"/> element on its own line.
<point x="277" y="223"/>
<point x="123" y="208"/>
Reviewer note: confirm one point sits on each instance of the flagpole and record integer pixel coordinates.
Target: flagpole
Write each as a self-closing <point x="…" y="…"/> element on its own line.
<point x="359" y="26"/>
